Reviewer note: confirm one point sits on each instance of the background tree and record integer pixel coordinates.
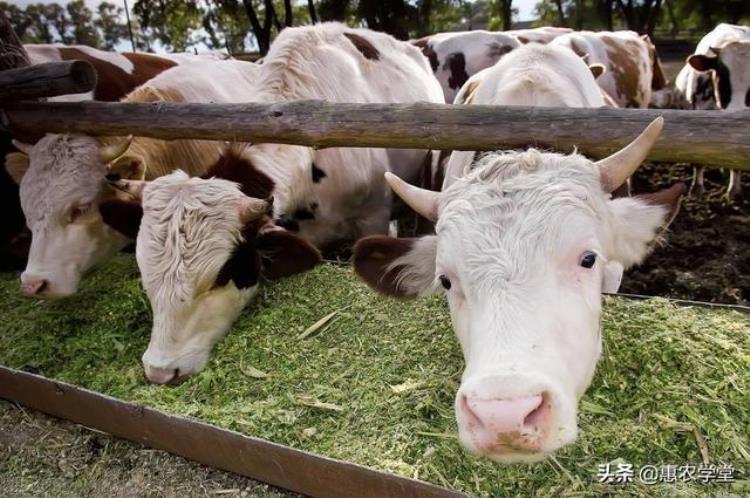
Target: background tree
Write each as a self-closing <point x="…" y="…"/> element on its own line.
<point x="82" y="20"/>
<point x="109" y="22"/>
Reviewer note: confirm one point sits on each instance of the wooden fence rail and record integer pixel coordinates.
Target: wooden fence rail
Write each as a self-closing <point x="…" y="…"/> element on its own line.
<point x="47" y="80"/>
<point x="712" y="138"/>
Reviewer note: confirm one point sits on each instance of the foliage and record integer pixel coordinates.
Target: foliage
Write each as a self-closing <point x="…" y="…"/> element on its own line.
<point x="376" y="383"/>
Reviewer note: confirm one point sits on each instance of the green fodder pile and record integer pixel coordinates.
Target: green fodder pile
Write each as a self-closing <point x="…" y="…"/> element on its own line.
<point x="375" y="384"/>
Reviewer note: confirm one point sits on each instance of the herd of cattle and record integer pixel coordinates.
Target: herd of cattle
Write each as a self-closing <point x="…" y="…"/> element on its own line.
<point x="516" y="232"/>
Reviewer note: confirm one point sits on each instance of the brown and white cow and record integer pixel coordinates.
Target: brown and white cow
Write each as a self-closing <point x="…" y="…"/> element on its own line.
<point x="203" y="243"/>
<point x="633" y="67"/>
<point x="75" y="221"/>
<point x="117" y="73"/>
<point x="525" y="244"/>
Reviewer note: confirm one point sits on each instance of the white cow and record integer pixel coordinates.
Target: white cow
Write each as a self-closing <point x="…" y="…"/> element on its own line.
<point x="533" y="75"/>
<point x="525" y="244"/>
<point x="203" y="245"/>
<point x="717" y="75"/>
<point x="74" y="219"/>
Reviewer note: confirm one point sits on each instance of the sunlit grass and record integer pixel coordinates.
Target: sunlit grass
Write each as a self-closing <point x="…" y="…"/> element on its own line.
<point x="375" y="383"/>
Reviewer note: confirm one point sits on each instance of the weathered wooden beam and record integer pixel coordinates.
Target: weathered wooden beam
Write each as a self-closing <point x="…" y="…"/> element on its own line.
<point x="713" y="138"/>
<point x="47" y="80"/>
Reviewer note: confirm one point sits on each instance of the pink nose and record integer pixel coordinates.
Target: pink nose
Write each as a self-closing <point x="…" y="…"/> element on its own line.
<point x="162" y="375"/>
<point x="34" y="288"/>
<point x="517" y="423"/>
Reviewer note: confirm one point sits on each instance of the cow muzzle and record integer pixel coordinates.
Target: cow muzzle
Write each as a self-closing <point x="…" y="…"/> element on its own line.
<point x="510" y="419"/>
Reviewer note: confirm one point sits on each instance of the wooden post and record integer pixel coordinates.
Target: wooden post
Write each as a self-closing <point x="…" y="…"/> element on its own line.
<point x="718" y="139"/>
<point x="47" y="80"/>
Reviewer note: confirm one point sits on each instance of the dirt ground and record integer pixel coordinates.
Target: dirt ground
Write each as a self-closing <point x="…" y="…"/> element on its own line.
<point x="707" y="252"/>
<point x="42" y="456"/>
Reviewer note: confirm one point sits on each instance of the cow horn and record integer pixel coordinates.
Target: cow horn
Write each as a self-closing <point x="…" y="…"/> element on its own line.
<point x="424" y="202"/>
<point x="250" y="208"/>
<point x="23" y="147"/>
<point x="617" y="168"/>
<point x="109" y="153"/>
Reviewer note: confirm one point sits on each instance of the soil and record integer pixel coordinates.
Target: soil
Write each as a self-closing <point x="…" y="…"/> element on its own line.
<point x="706" y="256"/>
<point x="44" y="456"/>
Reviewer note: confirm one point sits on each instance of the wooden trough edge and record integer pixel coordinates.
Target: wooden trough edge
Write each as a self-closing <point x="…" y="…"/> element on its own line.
<point x="712" y="138"/>
<point x="281" y="466"/>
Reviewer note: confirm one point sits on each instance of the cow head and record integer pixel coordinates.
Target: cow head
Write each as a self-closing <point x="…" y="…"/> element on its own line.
<point x="75" y="220"/>
<point x="525" y="244"/>
<point x="730" y="72"/>
<point x="202" y="249"/>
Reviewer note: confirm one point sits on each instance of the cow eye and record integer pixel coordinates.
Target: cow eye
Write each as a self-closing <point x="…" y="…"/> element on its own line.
<point x="79" y="210"/>
<point x="588" y="259"/>
<point x="445" y="282"/>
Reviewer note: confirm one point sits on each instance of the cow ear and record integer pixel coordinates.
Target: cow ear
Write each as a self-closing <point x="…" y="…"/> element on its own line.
<point x="127" y="167"/>
<point x="642" y="219"/>
<point x="123" y="216"/>
<point x="16" y="164"/>
<point x="397" y="267"/>
<point x="702" y="62"/>
<point x="597" y="70"/>
<point x="284" y="253"/>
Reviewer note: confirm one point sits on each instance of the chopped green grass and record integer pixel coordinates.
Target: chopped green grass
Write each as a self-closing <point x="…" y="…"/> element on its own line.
<point x="375" y="382"/>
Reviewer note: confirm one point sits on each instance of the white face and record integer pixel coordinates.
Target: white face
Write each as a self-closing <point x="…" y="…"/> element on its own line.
<point x="60" y="196"/>
<point x="189" y="230"/>
<point x="736" y="58"/>
<point x="201" y="260"/>
<point x="525" y="244"/>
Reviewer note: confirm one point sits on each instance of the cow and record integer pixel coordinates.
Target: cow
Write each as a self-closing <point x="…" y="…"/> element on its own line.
<point x="199" y="251"/>
<point x="454" y="57"/>
<point x="543" y="35"/>
<point x="117" y="75"/>
<point x="633" y="68"/>
<point x="75" y="221"/>
<point x="533" y="75"/>
<point x="525" y="244"/>
<point x="717" y="76"/>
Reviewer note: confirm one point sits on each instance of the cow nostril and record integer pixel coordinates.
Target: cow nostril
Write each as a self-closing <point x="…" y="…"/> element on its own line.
<point x="538" y="415"/>
<point x="42" y="287"/>
<point x="175" y="378"/>
<point x="472" y="417"/>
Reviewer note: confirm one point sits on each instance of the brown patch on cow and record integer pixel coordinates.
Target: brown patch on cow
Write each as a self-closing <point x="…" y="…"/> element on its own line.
<point x="371" y="258"/>
<point x="284" y="254"/>
<point x="364" y="46"/>
<point x="113" y="83"/>
<point x="522" y="39"/>
<point x="235" y="167"/>
<point x="670" y="199"/>
<point x="468" y="96"/>
<point x="624" y="65"/>
<point x="659" y="79"/>
<point x="427" y="50"/>
<point x="123" y="216"/>
<point x="456" y="62"/>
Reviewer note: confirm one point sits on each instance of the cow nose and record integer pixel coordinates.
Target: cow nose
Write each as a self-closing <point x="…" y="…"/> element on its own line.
<point x="162" y="376"/>
<point x="34" y="287"/>
<point x="510" y="424"/>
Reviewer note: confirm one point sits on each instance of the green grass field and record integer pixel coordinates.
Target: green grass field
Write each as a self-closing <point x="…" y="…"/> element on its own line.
<point x="376" y="384"/>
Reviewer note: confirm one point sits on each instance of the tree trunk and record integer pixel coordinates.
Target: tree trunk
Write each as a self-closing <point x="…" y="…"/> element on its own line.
<point x="288" y="13"/>
<point x="653" y="18"/>
<point x="507" y="13"/>
<point x="262" y="35"/>
<point x="561" y="13"/>
<point x="672" y="18"/>
<point x="311" y="10"/>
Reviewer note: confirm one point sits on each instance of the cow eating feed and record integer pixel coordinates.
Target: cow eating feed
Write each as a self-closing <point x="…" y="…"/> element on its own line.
<point x="525" y="243"/>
